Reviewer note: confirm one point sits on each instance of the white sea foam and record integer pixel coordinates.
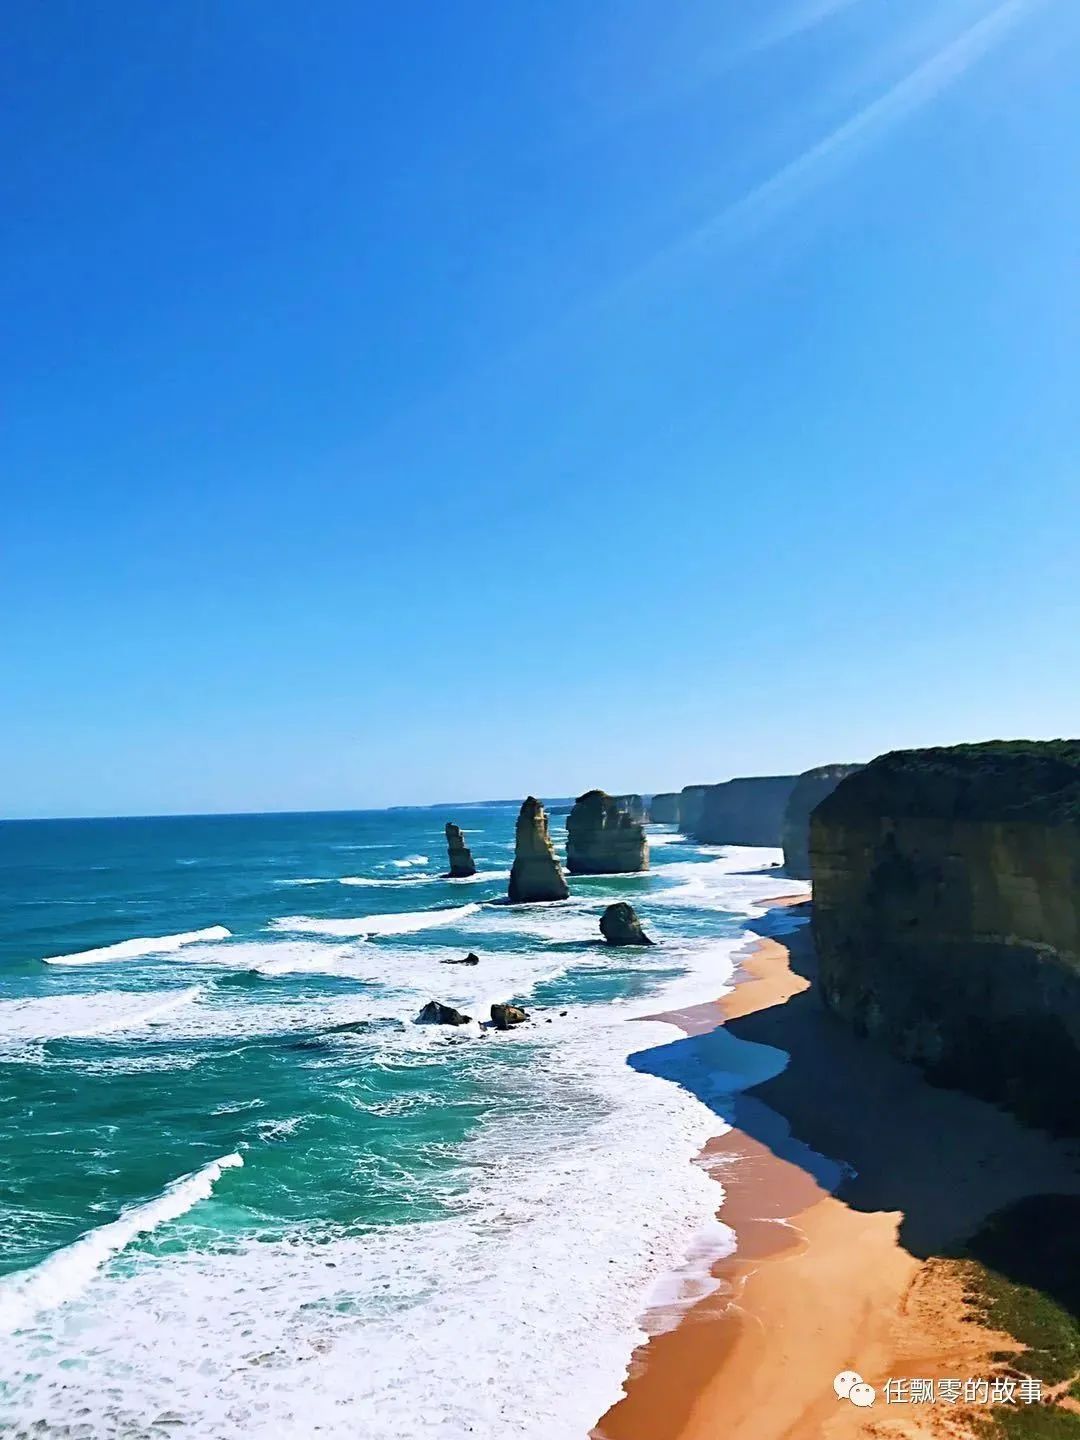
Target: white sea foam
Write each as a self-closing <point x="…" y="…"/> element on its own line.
<point x="657" y="838"/>
<point x="410" y="860"/>
<point x="141" y="947"/>
<point x="339" y="1331"/>
<point x="371" y="925"/>
<point x="274" y="1338"/>
<point x="67" y="1272"/>
<point x="76" y="1017"/>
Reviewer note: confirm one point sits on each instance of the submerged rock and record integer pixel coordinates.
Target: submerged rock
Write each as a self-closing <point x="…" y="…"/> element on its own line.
<point x="436" y="1013"/>
<point x="504" y="1016"/>
<point x="462" y="864"/>
<point x="602" y="839"/>
<point x="947" y="916"/>
<point x="536" y="873"/>
<point x="469" y="959"/>
<point x="620" y="925"/>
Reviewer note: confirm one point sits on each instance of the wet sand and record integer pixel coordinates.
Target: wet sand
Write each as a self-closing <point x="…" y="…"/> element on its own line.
<point x="833" y="1270"/>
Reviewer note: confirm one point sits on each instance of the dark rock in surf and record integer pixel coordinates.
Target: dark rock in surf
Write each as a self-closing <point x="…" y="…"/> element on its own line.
<point x="620" y="925"/>
<point x="436" y="1013"/>
<point x="469" y="959"/>
<point x="505" y="1016"/>
<point x="462" y="864"/>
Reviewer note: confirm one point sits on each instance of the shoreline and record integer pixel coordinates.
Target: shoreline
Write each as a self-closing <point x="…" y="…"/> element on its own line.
<point x="845" y="1176"/>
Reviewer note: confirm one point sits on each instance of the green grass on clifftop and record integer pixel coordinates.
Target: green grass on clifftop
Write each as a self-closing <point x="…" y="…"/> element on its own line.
<point x="1022" y="1273"/>
<point x="1006" y="780"/>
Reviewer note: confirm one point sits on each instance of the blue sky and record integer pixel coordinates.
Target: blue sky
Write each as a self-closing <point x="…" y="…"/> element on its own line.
<point x="416" y="402"/>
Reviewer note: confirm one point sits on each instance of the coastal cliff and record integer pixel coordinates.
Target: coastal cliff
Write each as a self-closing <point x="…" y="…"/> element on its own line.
<point x="810" y="789"/>
<point x="746" y="811"/>
<point x="691" y="801"/>
<point x="664" y="808"/>
<point x="634" y="806"/>
<point x="602" y="838"/>
<point x="947" y="916"/>
<point x="536" y="873"/>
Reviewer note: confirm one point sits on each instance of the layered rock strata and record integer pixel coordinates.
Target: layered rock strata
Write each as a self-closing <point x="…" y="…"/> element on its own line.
<point x="462" y="864"/>
<point x="536" y="873"/>
<point x="947" y="916"/>
<point x="746" y="811"/>
<point x="602" y="839"/>
<point x="810" y="789"/>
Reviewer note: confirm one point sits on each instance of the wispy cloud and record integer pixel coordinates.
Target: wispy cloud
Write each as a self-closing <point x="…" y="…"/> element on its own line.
<point x="849" y="141"/>
<point x="798" y="18"/>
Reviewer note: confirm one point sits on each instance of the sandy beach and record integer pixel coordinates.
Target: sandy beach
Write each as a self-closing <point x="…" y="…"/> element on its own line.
<point x="845" y="1176"/>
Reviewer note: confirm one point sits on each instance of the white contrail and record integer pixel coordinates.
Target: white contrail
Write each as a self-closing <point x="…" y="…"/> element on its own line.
<point x="850" y="139"/>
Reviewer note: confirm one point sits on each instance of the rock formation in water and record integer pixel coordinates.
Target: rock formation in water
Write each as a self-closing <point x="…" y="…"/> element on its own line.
<point x="810" y="789"/>
<point x="461" y="861"/>
<point x="947" y="916"/>
<point x="602" y="839"/>
<point x="536" y="873"/>
<point x="620" y="925"/>
<point x="691" y="801"/>
<point x="504" y="1016"/>
<point x="634" y="806"/>
<point x="747" y="811"/>
<point x="436" y="1013"/>
<point x="469" y="959"/>
<point x="664" y="808"/>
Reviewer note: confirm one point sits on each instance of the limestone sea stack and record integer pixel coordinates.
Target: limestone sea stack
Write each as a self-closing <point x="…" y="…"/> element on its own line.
<point x="536" y="873"/>
<point x="664" y="808"/>
<point x="620" y="925"/>
<point x="602" y="839"/>
<point x="462" y="864"/>
<point x="810" y="789"/>
<point x="947" y="916"/>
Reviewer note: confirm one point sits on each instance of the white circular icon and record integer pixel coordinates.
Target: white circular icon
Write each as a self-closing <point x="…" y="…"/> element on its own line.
<point x="843" y="1383"/>
<point x="862" y="1394"/>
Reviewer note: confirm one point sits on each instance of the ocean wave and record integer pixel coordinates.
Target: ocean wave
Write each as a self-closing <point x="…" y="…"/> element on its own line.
<point x="369" y="925"/>
<point x="410" y="860"/>
<point x="64" y="1274"/>
<point x="79" y="1017"/>
<point x="140" y="947"/>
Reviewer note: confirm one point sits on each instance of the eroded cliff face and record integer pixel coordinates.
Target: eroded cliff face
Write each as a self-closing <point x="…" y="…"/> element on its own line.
<point x="536" y="873"/>
<point x="691" y="802"/>
<point x="810" y="789"/>
<point x="634" y="806"/>
<point x="947" y="917"/>
<point x="602" y="838"/>
<point x="747" y="811"/>
<point x="664" y="808"/>
<point x="458" y="853"/>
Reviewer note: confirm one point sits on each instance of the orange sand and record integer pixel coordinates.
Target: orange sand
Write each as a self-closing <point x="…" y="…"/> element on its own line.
<point x="817" y="1286"/>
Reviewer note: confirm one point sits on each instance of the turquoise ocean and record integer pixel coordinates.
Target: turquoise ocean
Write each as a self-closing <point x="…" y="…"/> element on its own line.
<point x="242" y="1193"/>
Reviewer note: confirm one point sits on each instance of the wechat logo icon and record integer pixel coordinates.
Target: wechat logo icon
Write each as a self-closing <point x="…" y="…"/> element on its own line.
<point x="849" y="1385"/>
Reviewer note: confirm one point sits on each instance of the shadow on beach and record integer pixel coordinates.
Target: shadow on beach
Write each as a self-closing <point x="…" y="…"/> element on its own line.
<point x="864" y="1125"/>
